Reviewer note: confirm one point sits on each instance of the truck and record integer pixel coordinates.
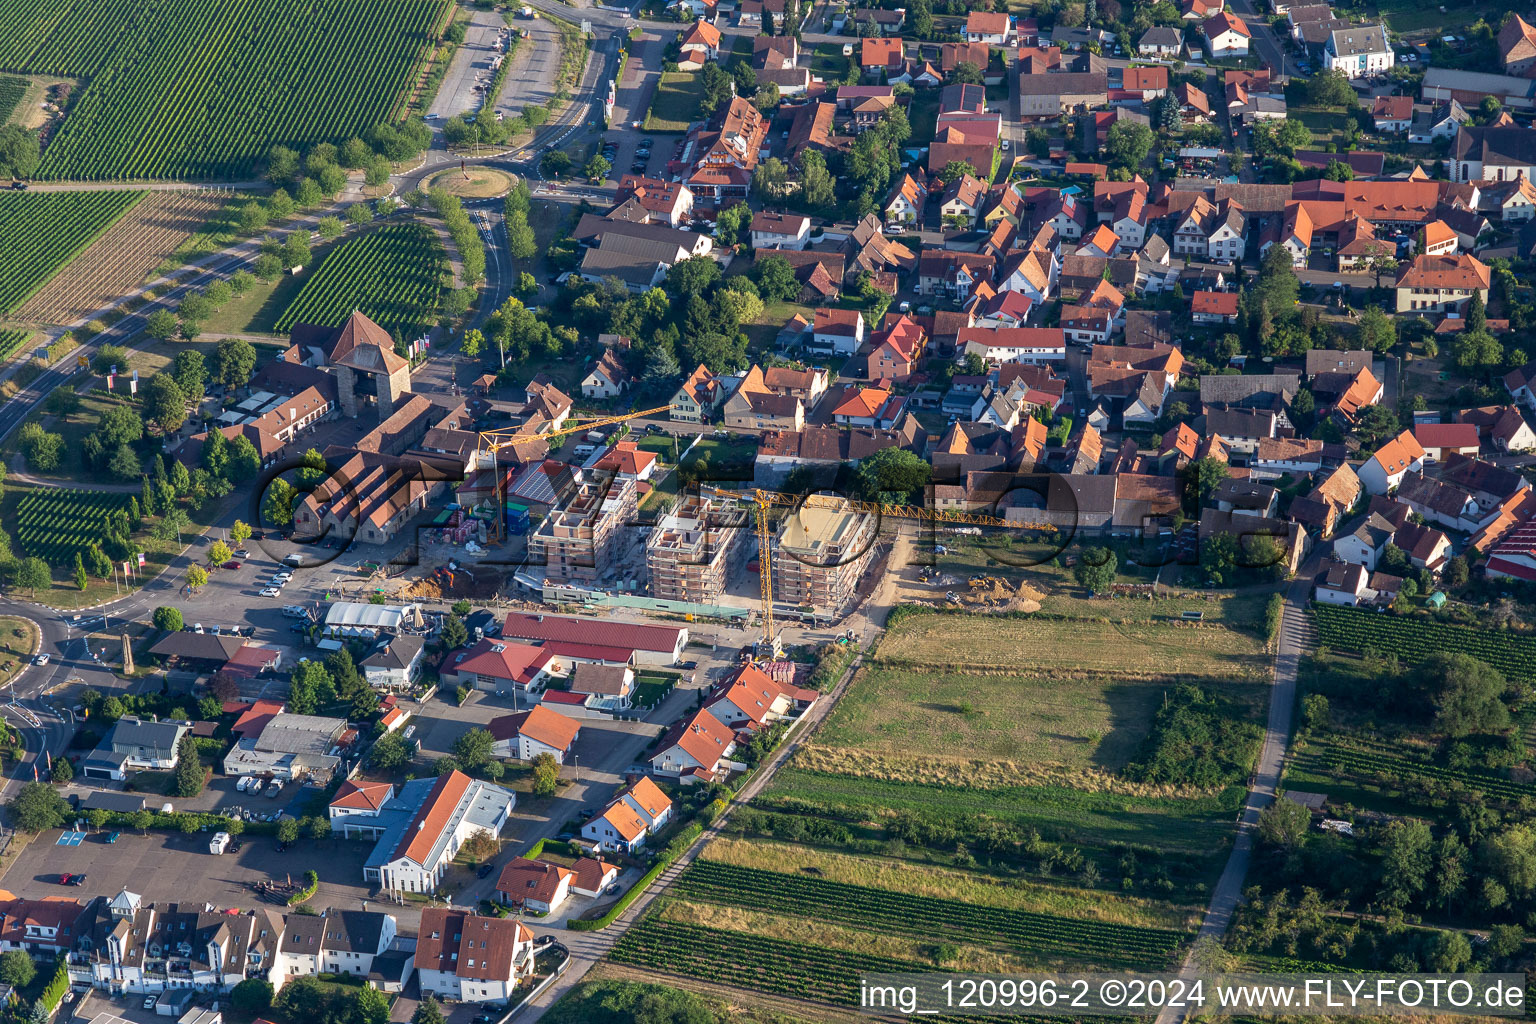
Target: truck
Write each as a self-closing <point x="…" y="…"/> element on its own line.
<point x="219" y="843"/>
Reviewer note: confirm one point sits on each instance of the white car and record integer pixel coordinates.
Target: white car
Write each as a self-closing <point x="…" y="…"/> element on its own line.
<point x="282" y="576"/>
<point x="41" y="659"/>
<point x="271" y="592"/>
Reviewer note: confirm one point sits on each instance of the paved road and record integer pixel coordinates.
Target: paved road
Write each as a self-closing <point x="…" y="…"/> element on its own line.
<point x="535" y="66"/>
<point x="1297" y="635"/>
<point x="471" y="66"/>
<point x="1269" y="49"/>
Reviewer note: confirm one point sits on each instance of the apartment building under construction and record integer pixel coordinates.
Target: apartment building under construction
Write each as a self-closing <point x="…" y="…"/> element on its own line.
<point x="819" y="555"/>
<point x="694" y="549"/>
<point x="584" y="540"/>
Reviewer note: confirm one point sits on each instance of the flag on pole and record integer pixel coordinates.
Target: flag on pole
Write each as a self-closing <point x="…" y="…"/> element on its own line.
<point x="110" y="379"/>
<point x="141" y="559"/>
<point x="127" y="568"/>
<point x="133" y="386"/>
<point x="34" y="771"/>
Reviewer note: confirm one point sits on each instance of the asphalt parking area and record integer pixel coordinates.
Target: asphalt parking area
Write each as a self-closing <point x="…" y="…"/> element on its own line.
<point x="175" y="867"/>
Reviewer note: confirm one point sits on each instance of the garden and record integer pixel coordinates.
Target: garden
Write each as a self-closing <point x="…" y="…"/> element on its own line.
<point x="676" y="103"/>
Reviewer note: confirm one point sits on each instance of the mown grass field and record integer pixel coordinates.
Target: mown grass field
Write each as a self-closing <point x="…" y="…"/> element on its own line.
<point x="676" y="103"/>
<point x="1105" y="644"/>
<point x="1079" y="723"/>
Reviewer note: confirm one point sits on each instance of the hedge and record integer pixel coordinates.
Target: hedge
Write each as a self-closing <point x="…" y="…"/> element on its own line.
<point x="311" y="883"/>
<point x="675" y="849"/>
<point x="554" y="846"/>
<point x="53" y="995"/>
<point x="178" y="821"/>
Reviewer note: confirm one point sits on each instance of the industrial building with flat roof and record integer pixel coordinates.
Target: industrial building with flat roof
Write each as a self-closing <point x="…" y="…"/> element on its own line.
<point x="819" y="555"/>
<point x="695" y="548"/>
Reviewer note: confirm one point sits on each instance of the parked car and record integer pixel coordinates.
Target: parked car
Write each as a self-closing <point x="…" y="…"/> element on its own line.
<point x="485" y="869"/>
<point x="114" y="837"/>
<point x="41" y="659"/>
<point x="271" y="592"/>
<point x="231" y="565"/>
<point x="149" y="1002"/>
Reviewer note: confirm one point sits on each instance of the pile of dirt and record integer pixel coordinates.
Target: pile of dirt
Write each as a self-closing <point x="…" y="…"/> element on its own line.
<point x="993" y="594"/>
<point x="485" y="585"/>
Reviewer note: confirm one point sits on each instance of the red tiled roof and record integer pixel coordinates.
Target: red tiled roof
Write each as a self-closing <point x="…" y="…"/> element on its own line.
<point x="362" y="795"/>
<point x="631" y="635"/>
<point x="540" y="724"/>
<point x="436" y="810"/>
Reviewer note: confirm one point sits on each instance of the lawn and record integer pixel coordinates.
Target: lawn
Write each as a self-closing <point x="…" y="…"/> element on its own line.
<point x="827" y="60"/>
<point x="18" y="638"/>
<point x="1074" y="723"/>
<point x="676" y="103"/>
<point x="651" y="688"/>
<point x="1124" y="648"/>
<point x="256" y="311"/>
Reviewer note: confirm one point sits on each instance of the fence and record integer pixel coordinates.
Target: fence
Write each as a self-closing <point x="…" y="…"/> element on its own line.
<point x="541" y="987"/>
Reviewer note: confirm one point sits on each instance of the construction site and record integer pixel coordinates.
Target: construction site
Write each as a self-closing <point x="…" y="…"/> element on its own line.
<point x="584" y="539"/>
<point x="820" y="554"/>
<point x="695" y="549"/>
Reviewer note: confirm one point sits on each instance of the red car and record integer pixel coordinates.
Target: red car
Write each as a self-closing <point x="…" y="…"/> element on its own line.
<point x="231" y="565"/>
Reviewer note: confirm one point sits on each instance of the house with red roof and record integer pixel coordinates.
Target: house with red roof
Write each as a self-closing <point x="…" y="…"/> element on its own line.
<point x="466" y="958"/>
<point x="628" y="461"/>
<point x="590" y="876"/>
<point x="870" y="407"/>
<point x="1214" y="308"/>
<point x="1392" y="461"/>
<point x="752" y="698"/>
<point x="420" y="829"/>
<point x="646" y="643"/>
<point x="695" y="749"/>
<point x="499" y="665"/>
<point x="636" y="811"/>
<point x="533" y="885"/>
<point x="1441" y="439"/>
<point x="1226" y="35"/>
<point x="527" y="734"/>
<point x="359" y="797"/>
<point x="880" y="56"/>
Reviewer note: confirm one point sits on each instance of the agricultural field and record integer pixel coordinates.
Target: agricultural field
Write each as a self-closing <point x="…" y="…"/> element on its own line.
<point x="200" y="89"/>
<point x="55" y="523"/>
<point x="1390" y="776"/>
<point x="394" y="274"/>
<point x="40" y="232"/>
<point x="1141" y="647"/>
<point x="1414" y="638"/>
<point x="972" y="804"/>
<point x="12" y="340"/>
<point x="12" y="89"/>
<point x="121" y="259"/>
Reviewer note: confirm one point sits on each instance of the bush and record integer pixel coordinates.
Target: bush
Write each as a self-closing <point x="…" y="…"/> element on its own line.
<point x="311" y="883"/>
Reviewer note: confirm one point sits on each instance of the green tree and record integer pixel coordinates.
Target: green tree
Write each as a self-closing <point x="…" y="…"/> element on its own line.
<point x="32" y="574"/>
<point x="389" y="752"/>
<point x="234" y="360"/>
<point x="775" y="279"/>
<point x="1096" y="569"/>
<point x="597" y="168"/>
<point x="17" y="968"/>
<point x="473" y="749"/>
<point x="80" y="578"/>
<point x="1378" y="331"/>
<point x="62" y="771"/>
<point x="455" y="634"/>
<point x="252" y="997"/>
<point x="1128" y="144"/>
<point x="1467" y="695"/>
<point x="282" y="164"/>
<point x="893" y="474"/>
<point x="771" y="180"/>
<point x="38" y="807"/>
<point x="966" y="72"/>
<point x="160" y="325"/>
<point x="287" y="830"/>
<point x="277" y="503"/>
<point x="164" y="404"/>
<point x="1201" y="478"/>
<point x="370" y="1006"/>
<point x="1284" y="823"/>
<point x="546" y="774"/>
<point x="189" y="774"/>
<point x="168" y="619"/>
<point x="428" y="1012"/>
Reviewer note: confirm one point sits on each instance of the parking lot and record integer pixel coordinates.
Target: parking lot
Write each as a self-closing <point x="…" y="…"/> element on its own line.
<point x="172" y="867"/>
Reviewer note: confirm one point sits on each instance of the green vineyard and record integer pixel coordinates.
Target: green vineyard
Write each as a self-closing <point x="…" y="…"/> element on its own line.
<point x="54" y="524"/>
<point x="393" y="274"/>
<point x="202" y="88"/>
<point x="42" y="231"/>
<point x="768" y="965"/>
<point x="1044" y="937"/>
<point x="10" y="341"/>
<point x="12" y="89"/>
<point x="1387" y="765"/>
<point x="1414" y="639"/>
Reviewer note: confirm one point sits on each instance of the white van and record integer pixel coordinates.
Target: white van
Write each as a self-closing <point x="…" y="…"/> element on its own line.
<point x="581" y="451"/>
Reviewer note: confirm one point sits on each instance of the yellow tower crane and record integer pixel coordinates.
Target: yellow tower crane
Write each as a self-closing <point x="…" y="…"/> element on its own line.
<point x="771" y="646"/>
<point x="493" y="441"/>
